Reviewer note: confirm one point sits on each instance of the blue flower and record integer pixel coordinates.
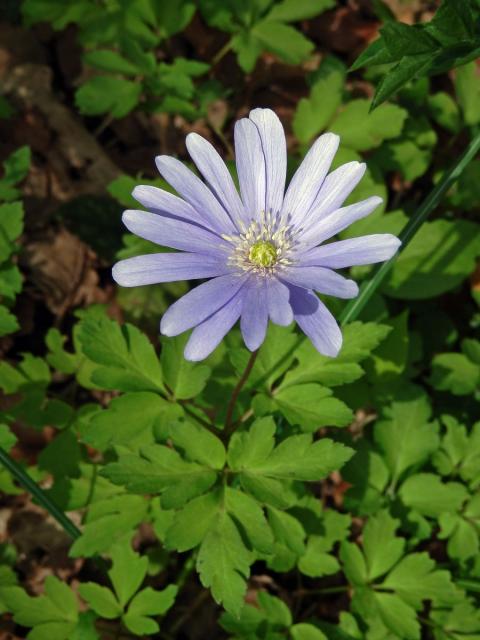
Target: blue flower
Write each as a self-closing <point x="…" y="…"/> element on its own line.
<point x="263" y="249"/>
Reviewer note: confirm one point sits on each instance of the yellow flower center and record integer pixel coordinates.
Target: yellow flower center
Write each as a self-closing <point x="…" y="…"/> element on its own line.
<point x="263" y="254"/>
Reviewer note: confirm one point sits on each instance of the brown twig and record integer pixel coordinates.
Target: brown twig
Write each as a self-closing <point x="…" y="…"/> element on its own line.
<point x="229" y="426"/>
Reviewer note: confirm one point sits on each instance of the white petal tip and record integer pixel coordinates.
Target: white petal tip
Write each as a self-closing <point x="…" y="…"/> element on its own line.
<point x="166" y="329"/>
<point x="118" y="274"/>
<point x="128" y="216"/>
<point x="259" y="111"/>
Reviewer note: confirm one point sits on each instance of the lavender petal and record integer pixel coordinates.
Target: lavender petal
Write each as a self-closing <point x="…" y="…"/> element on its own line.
<point x="322" y="280"/>
<point x="200" y="303"/>
<point x="337" y="221"/>
<point x="274" y="149"/>
<point x="250" y="167"/>
<point x="336" y="188"/>
<point x="166" y="204"/>
<point x="172" y="233"/>
<point x="215" y="172"/>
<point x="195" y="192"/>
<point x="254" y="318"/>
<point x="279" y="308"/>
<point x="167" y="267"/>
<point x="354" y="251"/>
<point x="309" y="177"/>
<point x="316" y="321"/>
<point x="208" y="335"/>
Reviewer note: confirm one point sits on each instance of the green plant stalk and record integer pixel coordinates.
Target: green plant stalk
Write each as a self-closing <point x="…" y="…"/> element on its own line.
<point x="30" y="485"/>
<point x="355" y="306"/>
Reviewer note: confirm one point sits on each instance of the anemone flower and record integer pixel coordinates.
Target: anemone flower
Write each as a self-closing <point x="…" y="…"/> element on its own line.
<point x="264" y="249"/>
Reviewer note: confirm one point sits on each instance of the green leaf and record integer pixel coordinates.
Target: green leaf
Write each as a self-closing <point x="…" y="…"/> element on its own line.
<point x="415" y="580"/>
<point x="159" y="469"/>
<point x="109" y="60"/>
<point x="439" y="257"/>
<point x="404" y="156"/>
<point x="128" y="571"/>
<point x="361" y="130"/>
<point x="274" y="357"/>
<point x="398" y="616"/>
<point x="310" y="406"/>
<point x="445" y="111"/>
<point x="11" y="226"/>
<point x="453" y="21"/>
<point x="29" y="373"/>
<point x="294" y="10"/>
<point x="184" y="379"/>
<point x="268" y="618"/>
<point x="149" y="602"/>
<point x="406" y="40"/>
<point x="107" y="521"/>
<point x="57" y="357"/>
<point x="409" y="68"/>
<point x="126" y="359"/>
<point x="249" y="515"/>
<point x="101" y="600"/>
<point x="354" y="563"/>
<point x="381" y="548"/>
<point x="247" y="48"/>
<point x="191" y="523"/>
<point x="317" y="561"/>
<point x="106" y="94"/>
<point x="427" y="494"/>
<point x="404" y="434"/>
<point x="58" y="13"/>
<point x="467" y="87"/>
<point x="7" y="438"/>
<point x="459" y="451"/>
<point x="62" y="455"/>
<point x="85" y="628"/>
<point x="359" y="340"/>
<point x="284" y="41"/>
<point x="287" y="530"/>
<point x="376" y="53"/>
<point x="140" y="625"/>
<point x="8" y="322"/>
<point x="223" y="563"/>
<point x="198" y="444"/>
<point x="172" y="18"/>
<point x="263" y="469"/>
<point x="56" y="612"/>
<point x="305" y="631"/>
<point x="315" y="112"/>
<point x="456" y="373"/>
<point x="459" y="622"/>
<point x="15" y="169"/>
<point x="122" y="423"/>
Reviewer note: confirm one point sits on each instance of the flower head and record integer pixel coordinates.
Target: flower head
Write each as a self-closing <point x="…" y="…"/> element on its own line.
<point x="263" y="248"/>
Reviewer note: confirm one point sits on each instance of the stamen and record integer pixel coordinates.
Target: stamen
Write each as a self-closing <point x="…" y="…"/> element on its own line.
<point x="264" y="247"/>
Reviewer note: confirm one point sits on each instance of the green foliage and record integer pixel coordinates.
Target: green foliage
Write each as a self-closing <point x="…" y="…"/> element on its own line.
<point x="119" y="38"/>
<point x="389" y="584"/>
<point x="135" y="606"/>
<point x="15" y="169"/>
<point x="263" y="26"/>
<point x="458" y="373"/>
<point x="54" y="614"/>
<point x="449" y="40"/>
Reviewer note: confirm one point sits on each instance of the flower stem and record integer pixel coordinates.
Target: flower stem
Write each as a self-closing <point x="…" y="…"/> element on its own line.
<point x="229" y="425"/>
<point x="355" y="306"/>
<point x="221" y="53"/>
<point x="30" y="485"/>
